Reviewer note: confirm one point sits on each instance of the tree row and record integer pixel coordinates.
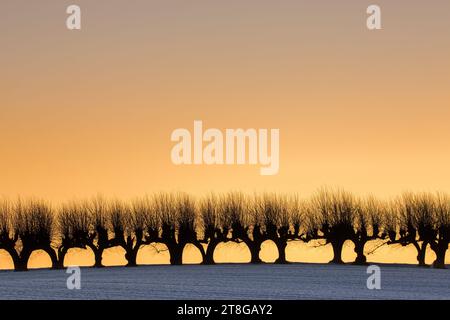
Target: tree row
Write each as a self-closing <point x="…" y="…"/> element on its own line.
<point x="330" y="216"/>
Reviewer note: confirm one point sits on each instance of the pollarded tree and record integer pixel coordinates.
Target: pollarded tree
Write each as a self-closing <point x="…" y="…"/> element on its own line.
<point x="333" y="215"/>
<point x="303" y="220"/>
<point x="33" y="224"/>
<point x="165" y="208"/>
<point x="367" y="224"/>
<point x="274" y="212"/>
<point x="415" y="218"/>
<point x="215" y="229"/>
<point x="98" y="240"/>
<point x="74" y="228"/>
<point x="244" y="224"/>
<point x="8" y="236"/>
<point x="442" y="238"/>
<point x="152" y="219"/>
<point x="424" y="219"/>
<point x="391" y="221"/>
<point x="177" y="216"/>
<point x="188" y="221"/>
<point x="128" y="225"/>
<point x="136" y="223"/>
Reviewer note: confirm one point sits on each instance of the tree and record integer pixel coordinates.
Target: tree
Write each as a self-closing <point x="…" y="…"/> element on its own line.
<point x="135" y="221"/>
<point x="8" y="236"/>
<point x="128" y="225"/>
<point x="415" y="222"/>
<point x="177" y="218"/>
<point x="33" y="224"/>
<point x="367" y="224"/>
<point x="98" y="239"/>
<point x="442" y="237"/>
<point x="245" y="226"/>
<point x="215" y="229"/>
<point x="275" y="213"/>
<point x="74" y="229"/>
<point x="302" y="221"/>
<point x="333" y="215"/>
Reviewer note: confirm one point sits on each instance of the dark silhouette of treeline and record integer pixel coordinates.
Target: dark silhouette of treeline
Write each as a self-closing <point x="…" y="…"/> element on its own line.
<point x="177" y="219"/>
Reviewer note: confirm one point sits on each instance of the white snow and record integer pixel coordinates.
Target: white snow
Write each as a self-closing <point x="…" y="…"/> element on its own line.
<point x="230" y="281"/>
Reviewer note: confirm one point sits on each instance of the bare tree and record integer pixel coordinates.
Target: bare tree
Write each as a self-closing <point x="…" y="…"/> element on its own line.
<point x="391" y="221"/>
<point x="421" y="219"/>
<point x="152" y="220"/>
<point x="74" y="229"/>
<point x="442" y="225"/>
<point x="275" y="213"/>
<point x="244" y="224"/>
<point x="367" y="225"/>
<point x="188" y="221"/>
<point x="415" y="222"/>
<point x="177" y="218"/>
<point x="98" y="240"/>
<point x="333" y="215"/>
<point x="215" y="229"/>
<point x="166" y="209"/>
<point x="303" y="216"/>
<point x="33" y="224"/>
<point x="135" y="221"/>
<point x="8" y="236"/>
<point x="128" y="225"/>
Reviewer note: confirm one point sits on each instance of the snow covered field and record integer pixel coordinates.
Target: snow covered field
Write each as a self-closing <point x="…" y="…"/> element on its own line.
<point x="229" y="281"/>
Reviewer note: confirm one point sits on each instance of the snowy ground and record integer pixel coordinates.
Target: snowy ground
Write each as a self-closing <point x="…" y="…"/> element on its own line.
<point x="229" y="281"/>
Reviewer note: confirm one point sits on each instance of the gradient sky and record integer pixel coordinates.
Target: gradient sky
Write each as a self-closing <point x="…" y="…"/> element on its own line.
<point x="92" y="111"/>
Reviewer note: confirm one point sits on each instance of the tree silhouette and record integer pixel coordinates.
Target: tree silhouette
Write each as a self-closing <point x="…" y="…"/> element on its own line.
<point x="442" y="225"/>
<point x="177" y="219"/>
<point x="33" y="224"/>
<point x="215" y="225"/>
<point x="73" y="225"/>
<point x="135" y="221"/>
<point x="367" y="223"/>
<point x="128" y="225"/>
<point x="275" y="214"/>
<point x="245" y="227"/>
<point x="415" y="222"/>
<point x="333" y="215"/>
<point x="98" y="239"/>
<point x="8" y="236"/>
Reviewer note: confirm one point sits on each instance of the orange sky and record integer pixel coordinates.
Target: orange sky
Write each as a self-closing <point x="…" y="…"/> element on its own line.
<point x="92" y="111"/>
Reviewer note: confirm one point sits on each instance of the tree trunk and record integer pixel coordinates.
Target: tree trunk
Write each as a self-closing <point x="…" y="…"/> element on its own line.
<point x="359" y="250"/>
<point x="421" y="251"/>
<point x="440" y="256"/>
<point x="131" y="256"/>
<point x="254" y="247"/>
<point x="176" y="253"/>
<point x="98" y="254"/>
<point x="337" y="251"/>
<point x="23" y="260"/>
<point x="209" y="255"/>
<point x="281" y="245"/>
<point x="62" y="251"/>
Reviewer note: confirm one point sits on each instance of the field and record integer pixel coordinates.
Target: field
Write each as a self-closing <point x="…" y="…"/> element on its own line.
<point x="230" y="281"/>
